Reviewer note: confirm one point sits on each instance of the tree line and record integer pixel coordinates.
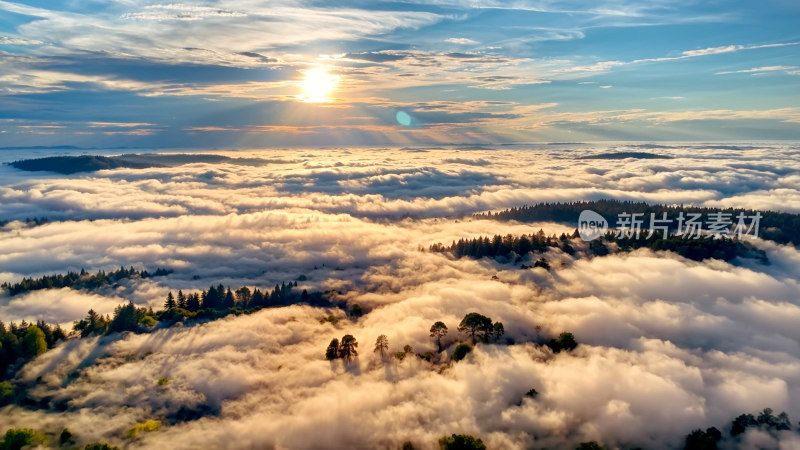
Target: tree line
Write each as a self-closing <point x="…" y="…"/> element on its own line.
<point x="775" y="226"/>
<point x="214" y="303"/>
<point x="79" y="280"/>
<point x="19" y="343"/>
<point x="504" y="246"/>
<point x="517" y="247"/>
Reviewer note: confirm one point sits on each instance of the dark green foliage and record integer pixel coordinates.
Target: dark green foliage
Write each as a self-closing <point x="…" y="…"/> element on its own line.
<point x="348" y="348"/>
<point x="6" y="393"/>
<point x="532" y="393"/>
<point x="65" y="438"/>
<point x="382" y="345"/>
<point x="598" y="248"/>
<point x="770" y="422"/>
<point x="332" y="352"/>
<point x="541" y="262"/>
<point x="356" y="311"/>
<point x="775" y="226"/>
<point x="478" y="326"/>
<point x="714" y="433"/>
<point x="461" y="351"/>
<point x="22" y="342"/>
<point x="591" y="445"/>
<point x="765" y="421"/>
<point x="702" y="440"/>
<point x="243" y="296"/>
<point x="741" y="423"/>
<point x="92" y="324"/>
<point x="100" y="446"/>
<point x="498" y="246"/>
<point x="565" y="341"/>
<point x="228" y="301"/>
<point x="783" y="423"/>
<point x="34" y="343"/>
<point x="461" y="442"/>
<point x="257" y="299"/>
<point x="408" y="445"/>
<point x="175" y="315"/>
<point x="694" y="249"/>
<point x="212" y="299"/>
<point x="181" y="300"/>
<point x="438" y="331"/>
<point x="779" y="227"/>
<point x="193" y="302"/>
<point x="77" y="280"/>
<point x="170" y="303"/>
<point x="126" y="318"/>
<point x="17" y="438"/>
<point x="498" y="330"/>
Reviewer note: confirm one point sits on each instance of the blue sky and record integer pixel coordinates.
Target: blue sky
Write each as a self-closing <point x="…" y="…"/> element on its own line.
<point x="231" y="74"/>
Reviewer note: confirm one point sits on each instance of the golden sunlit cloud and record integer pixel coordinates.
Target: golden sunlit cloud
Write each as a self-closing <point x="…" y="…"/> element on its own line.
<point x="317" y="85"/>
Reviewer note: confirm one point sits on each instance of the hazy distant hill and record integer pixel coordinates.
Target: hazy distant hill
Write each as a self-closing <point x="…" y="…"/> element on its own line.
<point x="90" y="163"/>
<point x="624" y="155"/>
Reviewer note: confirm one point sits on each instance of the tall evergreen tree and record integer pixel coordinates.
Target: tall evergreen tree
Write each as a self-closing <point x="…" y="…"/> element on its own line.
<point x="228" y="301"/>
<point x="170" y="302"/>
<point x="257" y="300"/>
<point x="193" y="302"/>
<point x="181" y="299"/>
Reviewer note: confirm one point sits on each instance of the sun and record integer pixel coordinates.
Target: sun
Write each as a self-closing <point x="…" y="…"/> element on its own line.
<point x="317" y="85"/>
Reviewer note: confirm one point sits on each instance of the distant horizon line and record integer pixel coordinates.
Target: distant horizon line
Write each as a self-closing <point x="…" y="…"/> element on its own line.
<point x="422" y="145"/>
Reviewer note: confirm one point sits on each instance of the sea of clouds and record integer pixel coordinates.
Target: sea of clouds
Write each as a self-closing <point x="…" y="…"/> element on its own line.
<point x="667" y="344"/>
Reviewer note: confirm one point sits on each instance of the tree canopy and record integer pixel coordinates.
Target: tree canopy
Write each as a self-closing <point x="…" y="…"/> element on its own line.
<point x="438" y="331"/>
<point x="348" y="348"/>
<point x="382" y="345"/>
<point x="478" y="326"/>
<point x="461" y="442"/>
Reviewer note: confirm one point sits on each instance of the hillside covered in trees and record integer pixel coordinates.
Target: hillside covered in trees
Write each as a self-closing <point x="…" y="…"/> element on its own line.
<point x="779" y="227"/>
<point x="90" y="163"/>
<point x="79" y="280"/>
<point x="517" y="247"/>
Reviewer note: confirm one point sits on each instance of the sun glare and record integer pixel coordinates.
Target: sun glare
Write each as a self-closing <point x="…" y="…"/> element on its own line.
<point x="317" y="85"/>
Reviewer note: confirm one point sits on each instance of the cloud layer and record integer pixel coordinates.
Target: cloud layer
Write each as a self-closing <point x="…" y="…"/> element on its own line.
<point x="667" y="344"/>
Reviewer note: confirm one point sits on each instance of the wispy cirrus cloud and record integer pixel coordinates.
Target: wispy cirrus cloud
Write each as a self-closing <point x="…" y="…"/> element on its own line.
<point x="792" y="70"/>
<point x="461" y="41"/>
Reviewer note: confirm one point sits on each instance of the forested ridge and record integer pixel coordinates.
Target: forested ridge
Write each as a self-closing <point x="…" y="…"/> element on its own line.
<point x="779" y="227"/>
<point x="517" y="247"/>
<point x="80" y="280"/>
<point x="19" y="343"/>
